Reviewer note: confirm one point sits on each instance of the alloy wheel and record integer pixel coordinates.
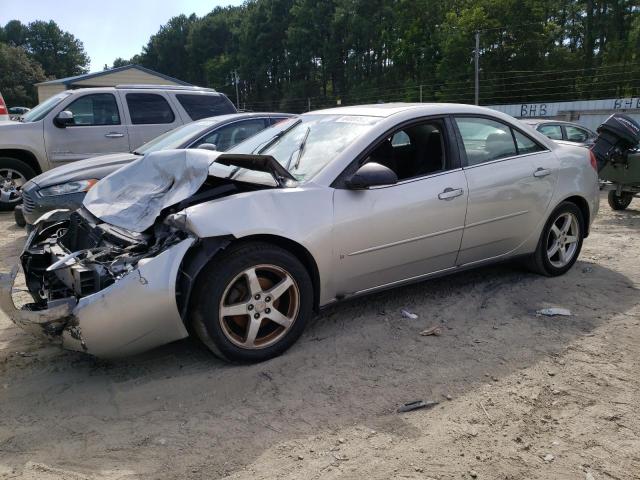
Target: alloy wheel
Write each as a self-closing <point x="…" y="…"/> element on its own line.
<point x="562" y="242"/>
<point x="259" y="306"/>
<point x="11" y="182"/>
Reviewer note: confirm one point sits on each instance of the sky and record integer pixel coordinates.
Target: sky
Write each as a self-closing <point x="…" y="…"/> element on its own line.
<point x="111" y="28"/>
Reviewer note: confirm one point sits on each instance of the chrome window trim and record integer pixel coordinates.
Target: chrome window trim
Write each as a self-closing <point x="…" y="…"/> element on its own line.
<point x="499" y="160"/>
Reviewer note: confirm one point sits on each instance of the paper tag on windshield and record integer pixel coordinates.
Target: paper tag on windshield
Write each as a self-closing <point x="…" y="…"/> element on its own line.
<point x="357" y="120"/>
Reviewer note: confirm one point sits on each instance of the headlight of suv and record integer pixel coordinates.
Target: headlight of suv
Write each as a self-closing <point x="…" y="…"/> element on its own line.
<point x="69" y="187"/>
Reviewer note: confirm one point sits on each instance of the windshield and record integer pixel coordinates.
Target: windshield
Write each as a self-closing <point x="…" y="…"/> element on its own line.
<point x="306" y="144"/>
<point x="175" y="138"/>
<point x="42" y="109"/>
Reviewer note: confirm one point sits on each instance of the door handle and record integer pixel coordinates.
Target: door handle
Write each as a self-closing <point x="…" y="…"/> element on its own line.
<point x="449" y="193"/>
<point x="541" y="172"/>
<point x="114" y="135"/>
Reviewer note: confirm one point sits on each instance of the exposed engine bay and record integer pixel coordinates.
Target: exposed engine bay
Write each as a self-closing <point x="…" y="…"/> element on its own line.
<point x="77" y="254"/>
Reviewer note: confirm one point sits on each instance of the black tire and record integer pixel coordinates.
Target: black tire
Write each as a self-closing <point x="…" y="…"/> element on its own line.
<point x="539" y="262"/>
<point x="619" y="202"/>
<point x="23" y="169"/>
<point x="220" y="274"/>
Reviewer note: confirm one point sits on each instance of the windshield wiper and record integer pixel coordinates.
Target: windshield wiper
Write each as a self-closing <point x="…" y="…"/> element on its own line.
<point x="300" y="150"/>
<point x="263" y="146"/>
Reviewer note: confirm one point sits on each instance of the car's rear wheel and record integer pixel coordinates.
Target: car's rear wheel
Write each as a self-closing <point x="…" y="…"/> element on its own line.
<point x="560" y="242"/>
<point x="252" y="303"/>
<point x="13" y="175"/>
<point x="621" y="201"/>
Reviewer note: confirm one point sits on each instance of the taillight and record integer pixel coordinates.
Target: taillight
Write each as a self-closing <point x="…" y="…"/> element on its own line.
<point x="3" y="106"/>
<point x="594" y="162"/>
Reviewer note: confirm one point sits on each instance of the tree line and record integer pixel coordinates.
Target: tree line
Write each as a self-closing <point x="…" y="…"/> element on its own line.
<point x="34" y="53"/>
<point x="292" y="54"/>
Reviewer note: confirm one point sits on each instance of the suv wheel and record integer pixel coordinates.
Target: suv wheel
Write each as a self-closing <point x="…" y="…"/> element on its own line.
<point x="619" y="202"/>
<point x="252" y="303"/>
<point x="13" y="175"/>
<point x="560" y="242"/>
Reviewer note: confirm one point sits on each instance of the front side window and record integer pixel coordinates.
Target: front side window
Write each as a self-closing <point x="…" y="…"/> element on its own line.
<point x="554" y="132"/>
<point x="149" y="109"/>
<point x="485" y="140"/>
<point x="575" y="134"/>
<point x="202" y="105"/>
<point x="95" y="110"/>
<point x="228" y="136"/>
<point x="414" y="151"/>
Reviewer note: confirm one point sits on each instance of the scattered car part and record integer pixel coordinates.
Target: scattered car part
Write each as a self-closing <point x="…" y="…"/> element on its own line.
<point x="554" y="311"/>
<point x="416" y="405"/>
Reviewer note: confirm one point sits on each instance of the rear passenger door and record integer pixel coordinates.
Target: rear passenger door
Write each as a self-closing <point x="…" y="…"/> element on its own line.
<point x="98" y="128"/>
<point x="511" y="179"/>
<point x="148" y="114"/>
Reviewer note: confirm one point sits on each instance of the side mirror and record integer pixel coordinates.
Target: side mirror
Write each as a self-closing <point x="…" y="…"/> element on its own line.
<point x="372" y="175"/>
<point x="63" y="119"/>
<point x="208" y="146"/>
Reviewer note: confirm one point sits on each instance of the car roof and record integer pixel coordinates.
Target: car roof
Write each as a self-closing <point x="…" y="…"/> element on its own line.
<point x="389" y="109"/>
<point x="208" y="121"/>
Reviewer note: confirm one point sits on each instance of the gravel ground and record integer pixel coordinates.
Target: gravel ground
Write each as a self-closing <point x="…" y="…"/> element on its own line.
<point x="520" y="395"/>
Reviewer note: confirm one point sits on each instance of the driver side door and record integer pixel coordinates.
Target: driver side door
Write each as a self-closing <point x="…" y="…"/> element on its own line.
<point x="390" y="234"/>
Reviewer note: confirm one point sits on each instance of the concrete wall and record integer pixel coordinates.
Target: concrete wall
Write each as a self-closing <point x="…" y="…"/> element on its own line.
<point x="46" y="91"/>
<point x="589" y="113"/>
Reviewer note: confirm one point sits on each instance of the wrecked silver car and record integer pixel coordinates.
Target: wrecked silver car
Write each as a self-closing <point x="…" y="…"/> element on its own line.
<point x="240" y="248"/>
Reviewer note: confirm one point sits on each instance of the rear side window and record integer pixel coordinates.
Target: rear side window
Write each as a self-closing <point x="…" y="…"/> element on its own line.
<point x="95" y="109"/>
<point x="486" y="140"/>
<point x="149" y="108"/>
<point x="554" y="132"/>
<point x="575" y="134"/>
<point x="203" y="106"/>
<point x="525" y="144"/>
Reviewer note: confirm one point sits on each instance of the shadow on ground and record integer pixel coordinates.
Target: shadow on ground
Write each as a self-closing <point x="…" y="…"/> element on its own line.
<point x="356" y="362"/>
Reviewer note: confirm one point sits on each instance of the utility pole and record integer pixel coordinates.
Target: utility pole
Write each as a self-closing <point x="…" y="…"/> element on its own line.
<point x="477" y="62"/>
<point x="235" y="80"/>
<point x="420" y="93"/>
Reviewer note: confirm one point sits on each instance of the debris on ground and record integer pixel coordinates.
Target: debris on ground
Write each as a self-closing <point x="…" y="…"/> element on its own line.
<point x="548" y="458"/>
<point x="408" y="314"/>
<point x="554" y="311"/>
<point x="416" y="405"/>
<point x="435" y="330"/>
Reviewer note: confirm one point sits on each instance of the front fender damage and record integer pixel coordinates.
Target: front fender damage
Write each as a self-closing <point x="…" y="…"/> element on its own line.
<point x="135" y="313"/>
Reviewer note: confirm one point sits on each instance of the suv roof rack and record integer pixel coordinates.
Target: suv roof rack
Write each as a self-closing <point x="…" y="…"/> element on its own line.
<point x="166" y="87"/>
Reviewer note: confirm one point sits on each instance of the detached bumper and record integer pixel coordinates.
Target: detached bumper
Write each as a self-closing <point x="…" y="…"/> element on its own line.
<point x="136" y="313"/>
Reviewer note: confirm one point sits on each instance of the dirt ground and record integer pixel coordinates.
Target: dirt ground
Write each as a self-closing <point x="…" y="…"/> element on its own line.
<point x="521" y="396"/>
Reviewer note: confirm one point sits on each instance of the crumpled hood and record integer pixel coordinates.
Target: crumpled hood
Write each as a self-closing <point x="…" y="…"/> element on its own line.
<point x="133" y="196"/>
<point x="95" y="167"/>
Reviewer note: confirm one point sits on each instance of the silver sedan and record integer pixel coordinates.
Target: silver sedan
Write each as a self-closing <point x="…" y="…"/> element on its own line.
<point x="241" y="248"/>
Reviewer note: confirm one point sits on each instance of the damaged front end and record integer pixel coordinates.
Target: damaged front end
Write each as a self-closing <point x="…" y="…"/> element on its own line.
<point x="98" y="288"/>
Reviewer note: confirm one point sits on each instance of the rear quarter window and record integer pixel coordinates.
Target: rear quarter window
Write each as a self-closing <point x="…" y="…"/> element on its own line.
<point x="203" y="106"/>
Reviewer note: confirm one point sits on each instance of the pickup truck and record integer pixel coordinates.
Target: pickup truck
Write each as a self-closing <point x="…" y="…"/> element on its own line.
<point x="78" y="124"/>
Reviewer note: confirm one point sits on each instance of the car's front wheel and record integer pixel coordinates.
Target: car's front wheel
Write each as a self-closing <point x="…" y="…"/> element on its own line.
<point x="619" y="202"/>
<point x="13" y="175"/>
<point x="560" y="242"/>
<point x="252" y="303"/>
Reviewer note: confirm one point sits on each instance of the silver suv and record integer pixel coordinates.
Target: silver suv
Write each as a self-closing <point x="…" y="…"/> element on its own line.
<point x="87" y="122"/>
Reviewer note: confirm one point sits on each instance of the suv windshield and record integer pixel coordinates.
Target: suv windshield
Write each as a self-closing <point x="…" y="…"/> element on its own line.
<point x="306" y="144"/>
<point x="42" y="109"/>
<point x="175" y="138"/>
